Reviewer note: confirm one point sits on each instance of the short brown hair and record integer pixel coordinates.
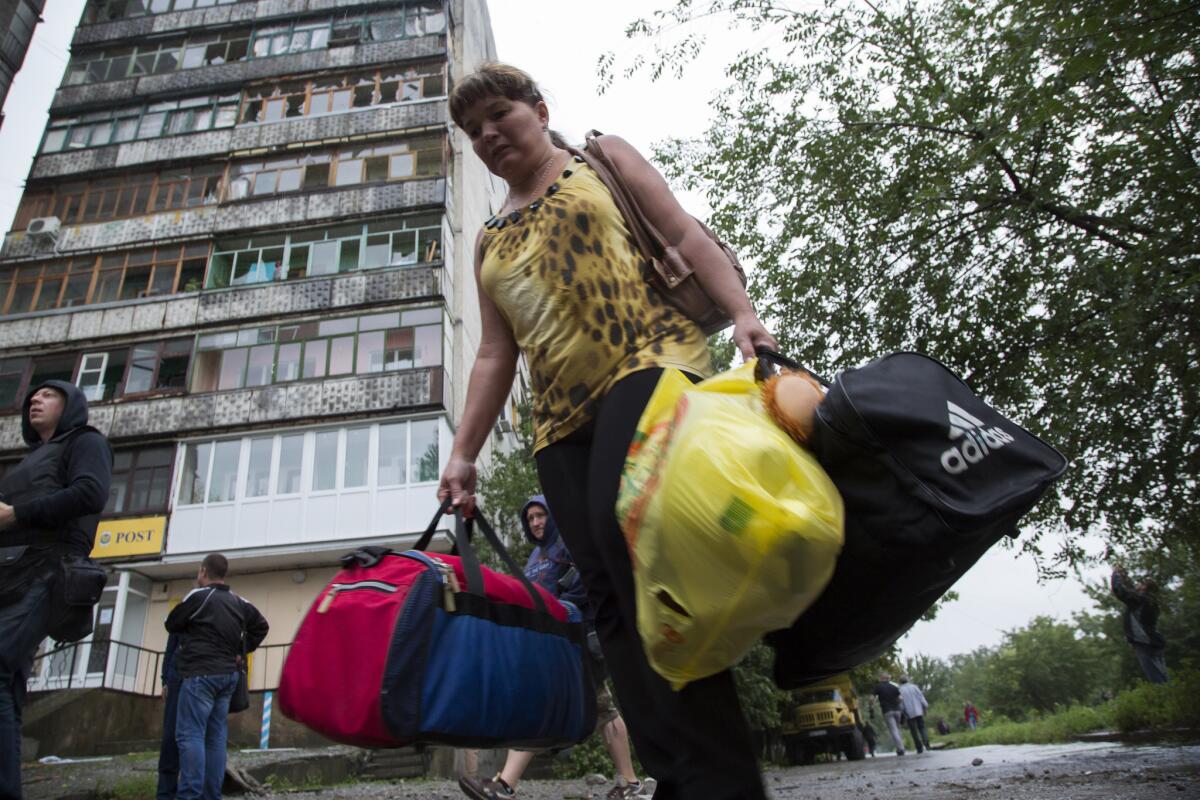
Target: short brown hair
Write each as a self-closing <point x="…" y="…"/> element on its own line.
<point x="492" y="79"/>
<point x="215" y="566"/>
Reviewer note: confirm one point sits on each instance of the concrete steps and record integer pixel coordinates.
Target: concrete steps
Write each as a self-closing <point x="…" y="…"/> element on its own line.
<point x="386" y="765"/>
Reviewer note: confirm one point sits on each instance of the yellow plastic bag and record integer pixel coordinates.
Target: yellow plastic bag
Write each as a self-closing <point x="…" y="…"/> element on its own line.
<point x="732" y="527"/>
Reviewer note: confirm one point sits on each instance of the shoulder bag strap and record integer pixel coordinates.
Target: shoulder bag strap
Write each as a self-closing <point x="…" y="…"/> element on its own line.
<point x="649" y="240"/>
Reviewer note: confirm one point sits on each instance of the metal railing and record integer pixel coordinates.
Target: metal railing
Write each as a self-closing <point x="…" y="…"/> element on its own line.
<point x="130" y="669"/>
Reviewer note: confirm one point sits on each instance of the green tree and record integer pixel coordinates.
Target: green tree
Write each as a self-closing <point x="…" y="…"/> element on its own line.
<point x="506" y="485"/>
<point x="1044" y="665"/>
<point x="1008" y="185"/>
<point x="932" y="675"/>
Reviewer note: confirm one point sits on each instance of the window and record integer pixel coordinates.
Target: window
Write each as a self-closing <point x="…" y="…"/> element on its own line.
<point x="124" y="196"/>
<point x="364" y="457"/>
<point x="358" y="450"/>
<point x="194" y="473"/>
<point x="393" y="446"/>
<point x="291" y="462"/>
<point x="276" y="354"/>
<point x="424" y="460"/>
<point x="222" y="485"/>
<point x="157" y="57"/>
<point x="261" y="258"/>
<point x="102" y="279"/>
<point x="12" y="381"/>
<point x="258" y="471"/>
<point x="148" y="122"/>
<point x="141" y="481"/>
<point x="325" y="460"/>
<point x="405" y="160"/>
<point x="100" y="374"/>
<point x="337" y="94"/>
<point x="109" y="10"/>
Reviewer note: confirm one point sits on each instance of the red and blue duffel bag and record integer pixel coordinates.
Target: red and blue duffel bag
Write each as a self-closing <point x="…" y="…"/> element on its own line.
<point x="422" y="648"/>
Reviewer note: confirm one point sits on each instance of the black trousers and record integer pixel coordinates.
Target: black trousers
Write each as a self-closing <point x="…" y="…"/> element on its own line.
<point x="694" y="742"/>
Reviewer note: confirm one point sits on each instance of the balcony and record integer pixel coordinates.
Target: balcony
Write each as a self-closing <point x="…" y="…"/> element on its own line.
<point x="201" y="18"/>
<point x="239" y="73"/>
<point x="395" y="118"/>
<point x="206" y="221"/>
<point x="307" y="401"/>
<point x="193" y="310"/>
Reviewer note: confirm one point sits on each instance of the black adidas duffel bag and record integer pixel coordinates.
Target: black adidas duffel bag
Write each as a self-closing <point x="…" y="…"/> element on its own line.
<point x="931" y="477"/>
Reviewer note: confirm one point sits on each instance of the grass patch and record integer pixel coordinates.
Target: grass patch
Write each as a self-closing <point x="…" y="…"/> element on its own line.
<point x="134" y="787"/>
<point x="1144" y="707"/>
<point x="1157" y="706"/>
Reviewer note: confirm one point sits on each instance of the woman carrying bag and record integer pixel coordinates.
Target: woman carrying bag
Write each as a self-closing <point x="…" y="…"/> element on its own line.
<point x="562" y="282"/>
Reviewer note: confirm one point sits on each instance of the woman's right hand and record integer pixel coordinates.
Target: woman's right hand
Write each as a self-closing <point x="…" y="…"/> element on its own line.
<point x="458" y="483"/>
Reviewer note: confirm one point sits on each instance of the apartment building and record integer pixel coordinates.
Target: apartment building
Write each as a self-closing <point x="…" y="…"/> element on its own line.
<point x="18" y="18"/>
<point x="247" y="237"/>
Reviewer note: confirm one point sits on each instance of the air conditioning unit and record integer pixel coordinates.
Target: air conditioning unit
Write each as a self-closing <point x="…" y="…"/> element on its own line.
<point x="504" y="426"/>
<point x="44" y="228"/>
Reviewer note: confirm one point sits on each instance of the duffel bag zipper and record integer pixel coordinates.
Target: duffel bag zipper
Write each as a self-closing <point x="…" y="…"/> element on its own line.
<point x="450" y="584"/>
<point x="337" y="588"/>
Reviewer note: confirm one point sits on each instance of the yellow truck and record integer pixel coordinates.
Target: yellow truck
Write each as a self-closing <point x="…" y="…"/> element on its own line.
<point x="823" y="718"/>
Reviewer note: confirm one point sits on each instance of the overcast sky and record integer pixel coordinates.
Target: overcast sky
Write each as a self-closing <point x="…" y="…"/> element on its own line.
<point x="559" y="42"/>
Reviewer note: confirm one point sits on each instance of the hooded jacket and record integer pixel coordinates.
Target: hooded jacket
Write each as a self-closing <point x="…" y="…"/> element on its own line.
<point x="1141" y="614"/>
<point x="550" y="560"/>
<point x="57" y="491"/>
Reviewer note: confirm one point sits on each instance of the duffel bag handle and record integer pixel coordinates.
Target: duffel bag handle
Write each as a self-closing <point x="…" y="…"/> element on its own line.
<point x="463" y="527"/>
<point x="767" y="357"/>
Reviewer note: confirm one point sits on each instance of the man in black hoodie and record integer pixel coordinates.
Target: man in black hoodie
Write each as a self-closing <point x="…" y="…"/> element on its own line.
<point x="1141" y="624"/>
<point x="50" y="505"/>
<point x="214" y="627"/>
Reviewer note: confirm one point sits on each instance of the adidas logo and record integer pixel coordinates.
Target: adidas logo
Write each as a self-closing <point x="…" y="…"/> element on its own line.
<point x="974" y="441"/>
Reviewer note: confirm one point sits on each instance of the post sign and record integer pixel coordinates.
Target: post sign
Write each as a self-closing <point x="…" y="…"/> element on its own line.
<point x="140" y="536"/>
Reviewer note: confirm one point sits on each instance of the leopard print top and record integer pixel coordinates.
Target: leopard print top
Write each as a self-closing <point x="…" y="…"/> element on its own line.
<point x="566" y="274"/>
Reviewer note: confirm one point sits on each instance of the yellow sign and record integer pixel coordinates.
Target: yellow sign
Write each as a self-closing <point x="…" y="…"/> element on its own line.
<point x="142" y="536"/>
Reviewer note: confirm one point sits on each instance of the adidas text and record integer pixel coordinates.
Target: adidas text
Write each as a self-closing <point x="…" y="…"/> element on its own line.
<point x="975" y="444"/>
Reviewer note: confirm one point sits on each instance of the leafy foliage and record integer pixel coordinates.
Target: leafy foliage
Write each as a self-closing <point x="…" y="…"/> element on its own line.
<point x="506" y="485"/>
<point x="1008" y="185"/>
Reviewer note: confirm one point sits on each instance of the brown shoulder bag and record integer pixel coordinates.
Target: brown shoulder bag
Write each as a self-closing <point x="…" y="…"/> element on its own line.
<point x="670" y="273"/>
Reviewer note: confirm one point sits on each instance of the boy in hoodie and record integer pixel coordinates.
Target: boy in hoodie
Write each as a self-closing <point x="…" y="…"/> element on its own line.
<point x="50" y="504"/>
<point x="550" y="566"/>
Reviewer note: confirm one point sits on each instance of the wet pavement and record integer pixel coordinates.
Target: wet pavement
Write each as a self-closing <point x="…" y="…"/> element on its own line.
<point x="1007" y="772"/>
<point x="1077" y="771"/>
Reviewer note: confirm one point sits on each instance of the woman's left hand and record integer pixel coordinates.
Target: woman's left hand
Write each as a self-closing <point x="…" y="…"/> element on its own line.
<point x="749" y="334"/>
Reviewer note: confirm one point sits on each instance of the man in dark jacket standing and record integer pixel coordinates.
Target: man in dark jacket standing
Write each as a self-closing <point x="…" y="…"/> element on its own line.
<point x="1141" y="624"/>
<point x="889" y="703"/>
<point x="168" y="748"/>
<point x="210" y="622"/>
<point x="50" y="505"/>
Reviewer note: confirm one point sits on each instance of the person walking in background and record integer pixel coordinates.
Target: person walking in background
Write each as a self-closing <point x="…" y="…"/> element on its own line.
<point x="914" y="705"/>
<point x="550" y="566"/>
<point x="970" y="714"/>
<point x="1141" y="624"/>
<point x="889" y="703"/>
<point x="562" y="283"/>
<point x="168" y="748"/>
<point x="50" y="504"/>
<point x="211" y="622"/>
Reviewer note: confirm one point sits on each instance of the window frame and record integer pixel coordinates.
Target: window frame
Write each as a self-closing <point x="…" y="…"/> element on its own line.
<point x="12" y="276"/>
<point x="307" y="474"/>
<point x="277" y="340"/>
<point x="131" y="474"/>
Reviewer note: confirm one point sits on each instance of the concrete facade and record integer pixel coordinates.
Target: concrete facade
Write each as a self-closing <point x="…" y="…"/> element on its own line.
<point x="18" y="18"/>
<point x="389" y="372"/>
